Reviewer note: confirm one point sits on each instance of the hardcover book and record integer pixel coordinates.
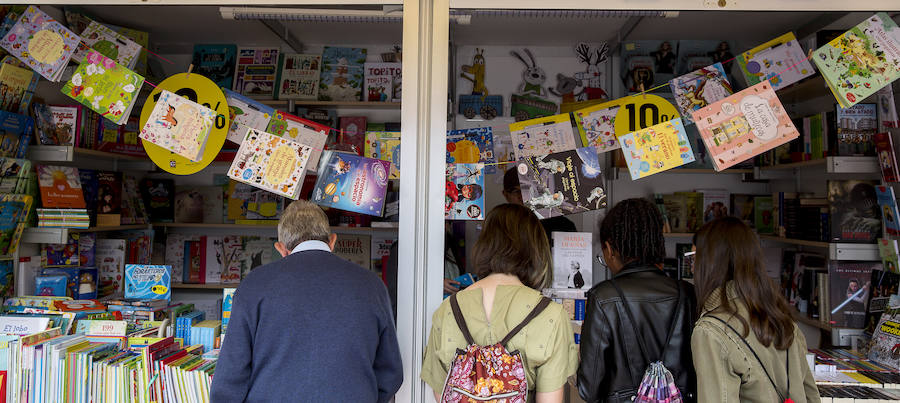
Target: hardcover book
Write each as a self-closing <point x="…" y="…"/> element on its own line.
<point x="572" y="260"/>
<point x="17" y="131"/>
<point x="144" y="281"/>
<point x="546" y="135"/>
<point x="105" y="87"/>
<point x="355" y="249"/>
<point x="255" y="72"/>
<point x="744" y="125"/>
<point x="109" y="194"/>
<point x="61" y="255"/>
<point x="351" y="183"/>
<point x="272" y="163"/>
<point x="159" y="198"/>
<point x="862" y="60"/>
<point x="301" y="131"/>
<point x="233" y="249"/>
<point x="850" y="287"/>
<point x="257" y="252"/>
<point x="179" y="125"/>
<point x="352" y="136"/>
<point x="469" y="146"/>
<point x="889" y="213"/>
<point x="780" y="61"/>
<point x="299" y="76"/>
<point x="657" y="148"/>
<point x="887" y="159"/>
<point x="856" y="128"/>
<point x="385" y="146"/>
<point x="855" y="215"/>
<point x="216" y="62"/>
<point x="41" y="42"/>
<point x="563" y="183"/>
<point x="464" y="194"/>
<point x="109" y="43"/>
<point x="700" y="88"/>
<point x="245" y="112"/>
<point x="342" y="74"/>
<point x="212" y="253"/>
<point x="111" y="265"/>
<point x="597" y="127"/>
<point x="13" y="212"/>
<point x="66" y="124"/>
<point x="15" y="82"/>
<point x="60" y="186"/>
<point x="383" y="82"/>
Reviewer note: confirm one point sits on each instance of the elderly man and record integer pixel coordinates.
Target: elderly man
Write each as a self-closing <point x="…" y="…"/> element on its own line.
<point x="311" y="327"/>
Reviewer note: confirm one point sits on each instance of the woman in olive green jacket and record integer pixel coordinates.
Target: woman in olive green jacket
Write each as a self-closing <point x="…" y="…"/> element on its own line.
<point x="746" y="347"/>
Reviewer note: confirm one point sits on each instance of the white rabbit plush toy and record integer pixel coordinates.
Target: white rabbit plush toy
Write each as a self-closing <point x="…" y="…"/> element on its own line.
<point x="533" y="77"/>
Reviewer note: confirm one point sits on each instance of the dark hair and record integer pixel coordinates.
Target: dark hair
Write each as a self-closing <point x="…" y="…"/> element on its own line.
<point x="510" y="180"/>
<point x="634" y="229"/>
<point x="513" y="242"/>
<point x="729" y="251"/>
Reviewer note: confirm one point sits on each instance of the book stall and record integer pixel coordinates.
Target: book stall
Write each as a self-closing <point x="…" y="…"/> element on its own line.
<point x="144" y="167"/>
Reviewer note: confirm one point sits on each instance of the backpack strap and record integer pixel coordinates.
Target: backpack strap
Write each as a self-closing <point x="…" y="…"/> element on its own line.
<point x="787" y="362"/>
<point x="460" y="320"/>
<point x="534" y="313"/>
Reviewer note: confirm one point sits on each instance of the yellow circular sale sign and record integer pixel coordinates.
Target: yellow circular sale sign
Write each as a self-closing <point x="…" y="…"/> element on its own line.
<point x="203" y="91"/>
<point x="642" y="111"/>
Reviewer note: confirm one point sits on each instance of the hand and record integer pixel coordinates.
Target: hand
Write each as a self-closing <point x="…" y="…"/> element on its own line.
<point x="451" y="286"/>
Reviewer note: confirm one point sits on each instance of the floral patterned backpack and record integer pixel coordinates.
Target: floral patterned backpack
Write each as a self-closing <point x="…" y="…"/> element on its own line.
<point x="487" y="373"/>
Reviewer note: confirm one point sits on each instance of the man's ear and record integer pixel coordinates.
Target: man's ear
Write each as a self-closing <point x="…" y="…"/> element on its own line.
<point x="332" y="239"/>
<point x="283" y="250"/>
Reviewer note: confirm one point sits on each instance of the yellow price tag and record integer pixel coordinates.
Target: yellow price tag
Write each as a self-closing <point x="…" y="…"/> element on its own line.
<point x="204" y="92"/>
<point x="642" y="111"/>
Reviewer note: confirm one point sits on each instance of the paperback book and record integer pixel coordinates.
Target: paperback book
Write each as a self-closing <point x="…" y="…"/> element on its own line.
<point x="697" y="89"/>
<point x="885" y="338"/>
<point x="572" y="260"/>
<point x="884" y="284"/>
<point x="889" y="213"/>
<point x="105" y="87"/>
<point x="245" y="112"/>
<point x="563" y="183"/>
<point x="342" y="74"/>
<point x="351" y="183"/>
<point x="780" y="61"/>
<point x="355" y="249"/>
<point x="855" y="213"/>
<point x="41" y="42"/>
<point x="179" y="125"/>
<point x="109" y="43"/>
<point x="385" y="146"/>
<point x="215" y="62"/>
<point x="469" y="146"/>
<point x="299" y="76"/>
<point x="60" y="186"/>
<point x="850" y="286"/>
<point x="271" y="163"/>
<point x="255" y="72"/>
<point x="464" y="194"/>
<point x="856" y="128"/>
<point x="65" y="125"/>
<point x="546" y="135"/>
<point x="382" y="82"/>
<point x="111" y="265"/>
<point x="597" y="126"/>
<point x="148" y="281"/>
<point x="301" y="131"/>
<point x="657" y="148"/>
<point x="887" y="159"/>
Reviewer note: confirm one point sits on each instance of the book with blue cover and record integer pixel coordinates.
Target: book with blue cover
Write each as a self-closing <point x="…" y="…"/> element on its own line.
<point x="352" y="183"/>
<point x="15" y="134"/>
<point x="215" y="62"/>
<point x="145" y="281"/>
<point x="470" y="146"/>
<point x="342" y="74"/>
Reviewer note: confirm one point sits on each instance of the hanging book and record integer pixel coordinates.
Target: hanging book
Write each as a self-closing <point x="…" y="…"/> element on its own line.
<point x="887" y="159"/>
<point x="301" y="131"/>
<point x="889" y="213"/>
<point x="41" y="42"/>
<point x="299" y="77"/>
<point x="60" y="186"/>
<point x="699" y="88"/>
<point x="385" y="146"/>
<point x="351" y="183"/>
<point x="656" y="149"/>
<point x="744" y="125"/>
<point x="255" y="72"/>
<point x="597" y="126"/>
<point x="215" y="62"/>
<point x="780" y="61"/>
<point x="855" y="215"/>
<point x="245" y="113"/>
<point x="109" y="43"/>
<point x="572" y="260"/>
<point x="179" y="125"/>
<point x="105" y="87"/>
<point x="272" y="163"/>
<point x="342" y="74"/>
<point x="862" y="60"/>
<point x="563" y="183"/>
<point x="547" y="135"/>
<point x="464" y="194"/>
<point x="469" y="146"/>
<point x="144" y="281"/>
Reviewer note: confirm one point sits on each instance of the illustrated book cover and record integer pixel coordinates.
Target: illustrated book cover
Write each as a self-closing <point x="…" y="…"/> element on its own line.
<point x="355" y="249"/>
<point x="855" y="214"/>
<point x="109" y="43"/>
<point x="301" y="131"/>
<point x="546" y="135"/>
<point x="352" y="183"/>
<point x="849" y="286"/>
<point x="657" y="148"/>
<point x="105" y="87"/>
<point x="597" y="126"/>
<point x="66" y="124"/>
<point x="299" y="76"/>
<point x="385" y="146"/>
<point x="856" y="128"/>
<point x="887" y="201"/>
<point x="563" y="183"/>
<point x="382" y="82"/>
<point x="270" y="162"/>
<point x="700" y="88"/>
<point x="342" y="74"/>
<point x="179" y="125"/>
<point x="60" y="187"/>
<point x="145" y="281"/>
<point x="887" y="159"/>
<point x="215" y="62"/>
<point x="464" y="194"/>
<point x="245" y="112"/>
<point x="110" y="257"/>
<point x="469" y="146"/>
<point x="41" y="42"/>
<point x="780" y="61"/>
<point x="255" y="73"/>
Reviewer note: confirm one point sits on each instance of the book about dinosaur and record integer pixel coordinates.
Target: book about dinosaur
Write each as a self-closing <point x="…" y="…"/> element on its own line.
<point x="256" y="71"/>
<point x="352" y="183"/>
<point x="41" y="42"/>
<point x="179" y="125"/>
<point x="562" y="183"/>
<point x="215" y="62"/>
<point x="700" y="88"/>
<point x="780" y="61"/>
<point x="657" y="148"/>
<point x="464" y="192"/>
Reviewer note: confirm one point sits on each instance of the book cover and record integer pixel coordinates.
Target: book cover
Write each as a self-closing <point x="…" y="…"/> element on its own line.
<point x="342" y="74"/>
<point x="546" y="135"/>
<point x="60" y="186"/>
<point x="299" y="76"/>
<point x="159" y="198"/>
<point x="352" y="136"/>
<point x="355" y="249"/>
<point x="272" y="163"/>
<point x="232" y="248"/>
<point x="850" y="287"/>
<point x="89" y="190"/>
<point x="215" y="62"/>
<point x="856" y="129"/>
<point x="193" y="266"/>
<point x="66" y="124"/>
<point x="715" y="204"/>
<point x="255" y="72"/>
<point x="188" y="205"/>
<point x="133" y="210"/>
<point x="110" y="259"/>
<point x="464" y="194"/>
<point x="179" y="125"/>
<point x="700" y="88"/>
<point x="685" y="260"/>
<point x="744" y="125"/>
<point x="889" y="213"/>
<point x="109" y="192"/>
<point x="780" y="61"/>
<point x="563" y="183"/>
<point x="885" y="338"/>
<point x="384" y="146"/>
<point x="145" y="281"/>
<point x="469" y="146"/>
<point x="87" y="248"/>
<point x="572" y="260"/>
<point x="656" y="149"/>
<point x="301" y="131"/>
<point x="14" y="209"/>
<point x="597" y="126"/>
<point x="104" y="86"/>
<point x="884" y="284"/>
<point x="212" y="259"/>
<point x="887" y="159"/>
<point x="693" y="210"/>
<point x="855" y="215"/>
<point x="888" y="250"/>
<point x="14" y="83"/>
<point x="51" y="285"/>
<point x="227" y="303"/>
<point x="41" y="42"/>
<point x="383" y="82"/>
<point x="763" y="216"/>
<point x="257" y="252"/>
<point x="862" y="60"/>
<point x="61" y="255"/>
<point x="247" y="203"/>
<point x="381" y="249"/>
<point x="245" y="112"/>
<point x="323" y="116"/>
<point x="109" y="43"/>
<point x="18" y="130"/>
<point x="351" y="183"/>
<point x="175" y="253"/>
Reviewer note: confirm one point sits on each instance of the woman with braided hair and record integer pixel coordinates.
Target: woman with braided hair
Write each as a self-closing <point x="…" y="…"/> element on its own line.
<point x="637" y="317"/>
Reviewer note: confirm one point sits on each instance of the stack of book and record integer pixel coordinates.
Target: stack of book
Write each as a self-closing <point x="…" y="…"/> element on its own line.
<point x="185" y="322"/>
<point x="206" y="333"/>
<point x="63" y="218"/>
<point x="138" y="311"/>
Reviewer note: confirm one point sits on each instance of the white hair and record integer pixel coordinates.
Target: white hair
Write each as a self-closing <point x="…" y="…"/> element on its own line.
<point x="302" y="221"/>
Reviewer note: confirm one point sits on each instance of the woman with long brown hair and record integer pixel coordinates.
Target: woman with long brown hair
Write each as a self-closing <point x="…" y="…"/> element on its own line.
<point x="746" y="347"/>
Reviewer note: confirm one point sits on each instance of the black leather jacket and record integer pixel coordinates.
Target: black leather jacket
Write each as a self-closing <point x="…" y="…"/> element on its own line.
<point x="611" y="362"/>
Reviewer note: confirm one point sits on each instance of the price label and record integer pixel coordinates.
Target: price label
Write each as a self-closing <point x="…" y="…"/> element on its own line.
<point x="642" y="111"/>
<point x="203" y="91"/>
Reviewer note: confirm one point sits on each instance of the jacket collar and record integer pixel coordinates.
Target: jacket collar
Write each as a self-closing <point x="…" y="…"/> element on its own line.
<point x="635" y="268"/>
<point x="715" y="297"/>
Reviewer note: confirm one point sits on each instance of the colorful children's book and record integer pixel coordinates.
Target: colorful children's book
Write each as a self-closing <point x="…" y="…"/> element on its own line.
<point x="572" y="260"/>
<point x="257" y="252"/>
<point x="104" y="86"/>
<point x="14" y="83"/>
<point x="87" y="249"/>
<point x="744" y="125"/>
<point x="245" y="113"/>
<point x="301" y="131"/>
<point x="352" y="183"/>
<point x="699" y="88"/>
<point x="272" y="163"/>
<point x="382" y="82"/>
<point x="855" y="213"/>
<point x="563" y="183"/>
<point x="179" y="125"/>
<point x="385" y="146"/>
<point x="547" y="135"/>
<point x="354" y="248"/>
<point x="43" y="43"/>
<point x="144" y="281"/>
<point x="111" y="265"/>
<point x="469" y="146"/>
<point x="216" y="62"/>
<point x="227" y="303"/>
<point x="60" y="186"/>
<point x="62" y="255"/>
<point x="66" y="124"/>
<point x="233" y="249"/>
<point x="781" y="61"/>
<point x="763" y="215"/>
<point x="13" y="212"/>
<point x="887" y="159"/>
<point x="299" y="76"/>
<point x="464" y="195"/>
<point x="889" y="213"/>
<point x="862" y="60"/>
<point x="888" y="250"/>
<point x="17" y="131"/>
<point x="597" y="126"/>
<point x="656" y="149"/>
<point x="352" y="135"/>
<point x="856" y="127"/>
<point x="342" y="74"/>
<point x="23" y="98"/>
<point x="255" y="72"/>
<point x="109" y="43"/>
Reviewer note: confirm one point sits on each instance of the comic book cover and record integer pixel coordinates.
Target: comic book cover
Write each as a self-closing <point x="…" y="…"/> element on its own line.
<point x="464" y="195"/>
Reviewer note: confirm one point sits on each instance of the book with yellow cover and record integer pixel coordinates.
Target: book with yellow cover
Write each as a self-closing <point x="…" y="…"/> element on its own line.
<point x="541" y="136"/>
<point x="597" y="126"/>
<point x="656" y="149"/>
<point x="781" y="61"/>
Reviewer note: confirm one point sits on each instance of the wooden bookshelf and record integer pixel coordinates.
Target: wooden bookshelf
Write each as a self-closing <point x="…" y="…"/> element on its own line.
<point x="203" y="286"/>
<point x="801" y="317"/>
<point x="336" y="104"/>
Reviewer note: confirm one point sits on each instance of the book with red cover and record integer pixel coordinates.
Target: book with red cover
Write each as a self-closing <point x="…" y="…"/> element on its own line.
<point x="353" y="134"/>
<point x="60" y="187"/>
<point x="887" y="160"/>
<point x="193" y="267"/>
